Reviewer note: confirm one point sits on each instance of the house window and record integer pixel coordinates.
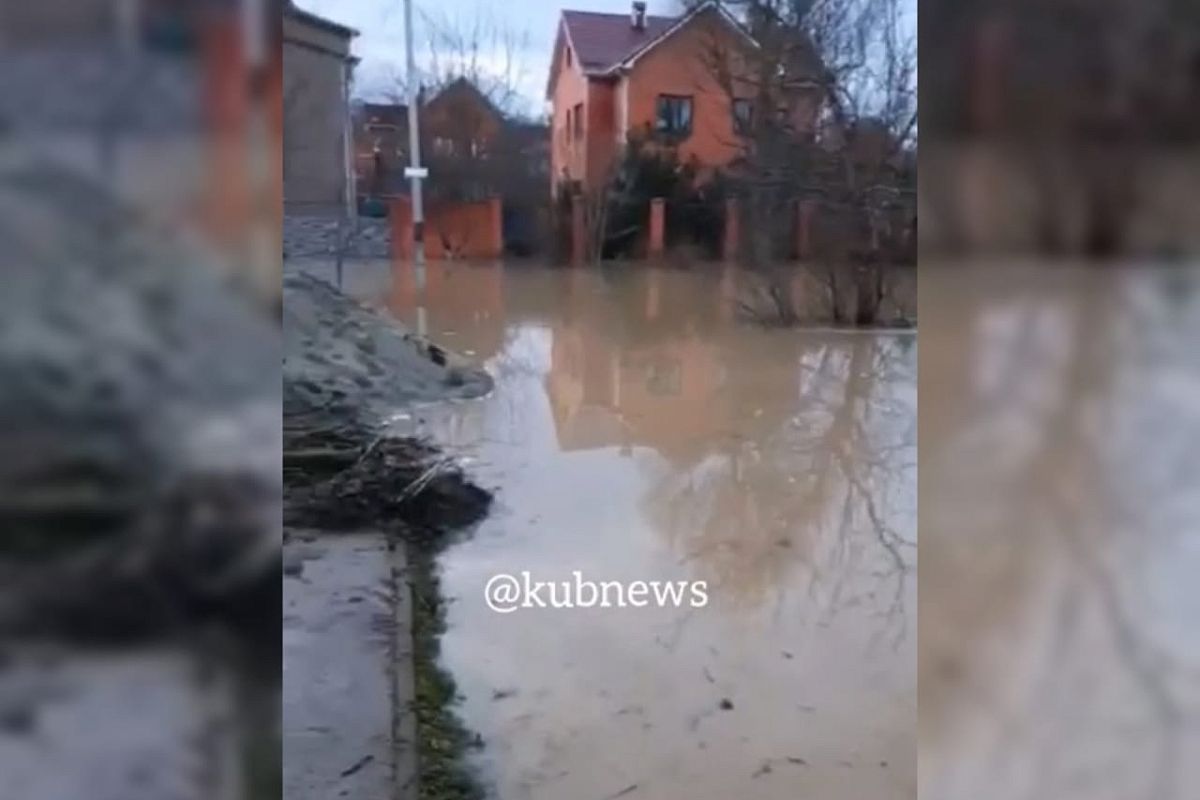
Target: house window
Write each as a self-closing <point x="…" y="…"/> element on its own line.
<point x="579" y="120"/>
<point x="443" y="146"/>
<point x="743" y="116"/>
<point x="569" y="124"/>
<point x="674" y="115"/>
<point x="568" y="56"/>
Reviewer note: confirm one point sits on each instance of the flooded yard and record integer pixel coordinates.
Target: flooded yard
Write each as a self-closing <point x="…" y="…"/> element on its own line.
<point x="638" y="432"/>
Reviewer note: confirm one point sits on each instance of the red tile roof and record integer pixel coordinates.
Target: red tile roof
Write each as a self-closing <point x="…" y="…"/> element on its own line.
<point x="602" y="41"/>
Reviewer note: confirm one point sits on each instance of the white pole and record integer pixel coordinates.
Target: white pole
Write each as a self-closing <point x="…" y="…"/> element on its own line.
<point x="414" y="148"/>
<point x="414" y="145"/>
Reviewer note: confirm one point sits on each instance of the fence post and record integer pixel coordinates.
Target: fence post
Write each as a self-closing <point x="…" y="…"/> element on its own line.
<point x="729" y="244"/>
<point x="657" y="219"/>
<point x="496" y="212"/>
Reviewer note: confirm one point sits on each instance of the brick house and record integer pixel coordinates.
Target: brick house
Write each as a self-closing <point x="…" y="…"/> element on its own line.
<point x="474" y="151"/>
<point x="460" y="121"/>
<point x="462" y="140"/>
<point x="613" y="75"/>
<point x="460" y="130"/>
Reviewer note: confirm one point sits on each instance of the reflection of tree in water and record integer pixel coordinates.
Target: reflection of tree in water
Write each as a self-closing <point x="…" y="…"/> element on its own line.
<point x="819" y="485"/>
<point x="783" y="453"/>
<point x="1040" y="511"/>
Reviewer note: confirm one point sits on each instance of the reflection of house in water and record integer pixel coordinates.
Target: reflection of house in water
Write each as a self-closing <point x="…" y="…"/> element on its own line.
<point x="764" y="437"/>
<point x="641" y="365"/>
<point x="646" y="361"/>
<point x="466" y="299"/>
<point x="662" y="394"/>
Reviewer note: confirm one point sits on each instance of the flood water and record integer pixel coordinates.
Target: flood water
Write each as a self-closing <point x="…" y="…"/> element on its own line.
<point x="639" y="432"/>
<point x="1059" y="642"/>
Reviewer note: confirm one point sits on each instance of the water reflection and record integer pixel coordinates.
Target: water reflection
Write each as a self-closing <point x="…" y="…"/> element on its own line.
<point x="637" y="432"/>
<point x="1058" y="646"/>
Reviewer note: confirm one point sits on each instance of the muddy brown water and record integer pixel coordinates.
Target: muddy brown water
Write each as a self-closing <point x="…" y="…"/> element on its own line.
<point x="638" y="432"/>
<point x="1059" y="647"/>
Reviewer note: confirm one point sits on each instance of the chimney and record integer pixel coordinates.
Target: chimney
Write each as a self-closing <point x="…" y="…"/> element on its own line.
<point x="638" y="16"/>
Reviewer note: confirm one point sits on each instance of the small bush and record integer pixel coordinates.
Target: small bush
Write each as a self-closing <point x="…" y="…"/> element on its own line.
<point x="694" y="202"/>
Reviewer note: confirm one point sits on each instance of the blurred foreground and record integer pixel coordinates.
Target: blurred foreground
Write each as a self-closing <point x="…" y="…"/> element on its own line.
<point x="1059" y="651"/>
<point x="139" y="401"/>
<point x="1060" y="127"/>
<point x="1060" y="198"/>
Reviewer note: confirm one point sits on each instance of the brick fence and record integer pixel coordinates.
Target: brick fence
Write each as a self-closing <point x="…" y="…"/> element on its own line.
<point x="803" y="228"/>
<point x="452" y="230"/>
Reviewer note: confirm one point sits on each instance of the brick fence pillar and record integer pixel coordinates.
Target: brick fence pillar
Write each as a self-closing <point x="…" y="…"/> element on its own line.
<point x="401" y="215"/>
<point x="657" y="222"/>
<point x="729" y="244"/>
<point x="578" y="232"/>
<point x="496" y="218"/>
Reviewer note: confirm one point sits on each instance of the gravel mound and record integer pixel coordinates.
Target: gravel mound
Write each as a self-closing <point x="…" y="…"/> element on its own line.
<point x="345" y="362"/>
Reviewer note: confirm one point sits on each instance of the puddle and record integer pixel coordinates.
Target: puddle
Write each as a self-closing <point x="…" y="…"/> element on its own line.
<point x="637" y="432"/>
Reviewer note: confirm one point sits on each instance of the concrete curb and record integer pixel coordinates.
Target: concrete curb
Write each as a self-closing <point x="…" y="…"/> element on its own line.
<point x="404" y="722"/>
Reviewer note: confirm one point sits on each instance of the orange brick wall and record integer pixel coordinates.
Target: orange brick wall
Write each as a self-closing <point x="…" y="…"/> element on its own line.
<point x="601" y="130"/>
<point x="680" y="66"/>
<point x="460" y="115"/>
<point x="566" y="153"/>
<point x="458" y="230"/>
<point x="613" y="107"/>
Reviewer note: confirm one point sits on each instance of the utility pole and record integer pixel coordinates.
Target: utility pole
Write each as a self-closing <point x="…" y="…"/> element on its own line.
<point x="414" y="147"/>
<point x="414" y="171"/>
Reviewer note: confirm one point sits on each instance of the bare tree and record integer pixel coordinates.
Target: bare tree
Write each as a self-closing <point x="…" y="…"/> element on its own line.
<point x="827" y="105"/>
<point x="484" y="50"/>
<point x="829" y="488"/>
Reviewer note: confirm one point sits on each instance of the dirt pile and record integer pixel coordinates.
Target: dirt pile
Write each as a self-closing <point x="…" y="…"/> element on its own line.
<point x="346" y="364"/>
<point x="346" y="370"/>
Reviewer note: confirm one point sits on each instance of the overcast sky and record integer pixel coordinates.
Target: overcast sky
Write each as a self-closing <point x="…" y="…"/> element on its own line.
<point x="380" y="24"/>
<point x="380" y="43"/>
